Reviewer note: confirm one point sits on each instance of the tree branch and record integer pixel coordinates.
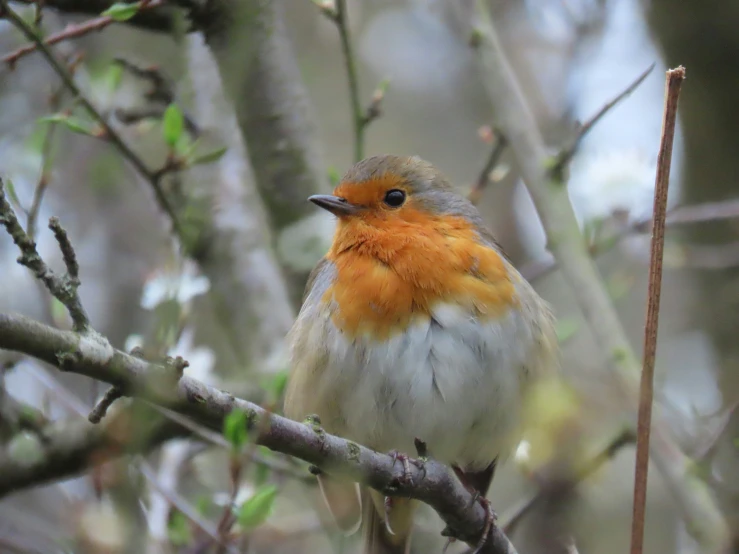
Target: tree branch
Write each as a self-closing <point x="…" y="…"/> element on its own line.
<point x="91" y="354"/>
<point x="65" y="448"/>
<point x="163" y="19"/>
<point x="88" y="355"/>
<point x="700" y="257"/>
<point x="63" y="288"/>
<point x="109" y="133"/>
<point x="238" y="255"/>
<point x="260" y="74"/>
<point x="568" y="246"/>
<point x="73" y="31"/>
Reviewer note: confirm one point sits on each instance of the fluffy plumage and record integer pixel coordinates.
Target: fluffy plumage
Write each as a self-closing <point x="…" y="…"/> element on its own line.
<point x="415" y="325"/>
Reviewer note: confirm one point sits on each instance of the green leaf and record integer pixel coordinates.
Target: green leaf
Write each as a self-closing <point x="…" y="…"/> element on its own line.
<point x="255" y="510"/>
<point x="277" y="384"/>
<point x="114" y="76"/>
<point x="209" y="157"/>
<point x="384" y="85"/>
<point x="121" y="11"/>
<point x="262" y="471"/>
<point x="619" y="285"/>
<point x="186" y="148"/>
<point x="203" y="504"/>
<point x="58" y="311"/>
<point x="10" y="187"/>
<point x="73" y="123"/>
<point x="333" y="176"/>
<point x="174" y="123"/>
<point x="178" y="529"/>
<point x="566" y="329"/>
<point x="234" y="428"/>
<point x="36" y="140"/>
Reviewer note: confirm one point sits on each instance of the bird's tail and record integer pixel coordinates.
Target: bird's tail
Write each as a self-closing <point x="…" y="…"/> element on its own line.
<point x="376" y="537"/>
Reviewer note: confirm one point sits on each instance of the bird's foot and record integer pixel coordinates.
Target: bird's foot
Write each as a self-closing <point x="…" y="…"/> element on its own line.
<point x="407" y="461"/>
<point x="490" y="519"/>
<point x="388" y="507"/>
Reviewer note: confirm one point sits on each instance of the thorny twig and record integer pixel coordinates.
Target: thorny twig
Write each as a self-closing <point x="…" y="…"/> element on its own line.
<point x="63" y="288"/>
<point x="71" y="31"/>
<point x="109" y="133"/>
<point x="674" y="81"/>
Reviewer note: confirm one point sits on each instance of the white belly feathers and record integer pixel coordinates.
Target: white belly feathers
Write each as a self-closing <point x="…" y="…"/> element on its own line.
<point x="452" y="381"/>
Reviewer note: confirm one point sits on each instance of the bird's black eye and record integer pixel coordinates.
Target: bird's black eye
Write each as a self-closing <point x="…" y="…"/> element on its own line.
<point x="394" y="198"/>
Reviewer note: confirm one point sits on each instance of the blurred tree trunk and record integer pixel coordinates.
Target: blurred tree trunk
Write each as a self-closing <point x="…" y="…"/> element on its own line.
<point x="260" y="73"/>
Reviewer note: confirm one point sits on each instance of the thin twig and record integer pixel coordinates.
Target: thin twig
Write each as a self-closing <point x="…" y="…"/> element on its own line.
<point x="361" y="117"/>
<point x="567" y="245"/>
<point x="509" y="522"/>
<point x="161" y="89"/>
<point x="161" y="94"/>
<point x="350" y="63"/>
<point x="109" y="133"/>
<point x="701" y="213"/>
<point x="101" y="408"/>
<point x="46" y="155"/>
<point x="275" y="465"/>
<point x="709" y="257"/>
<point x="71" y="31"/>
<point x="674" y="81"/>
<point x="566" y="154"/>
<point x="68" y="253"/>
<point x="61" y="394"/>
<point x="179" y="502"/>
<point x="15" y="546"/>
<point x="63" y="288"/>
<point x="129" y="116"/>
<point x="694" y="256"/>
<point x="483" y="179"/>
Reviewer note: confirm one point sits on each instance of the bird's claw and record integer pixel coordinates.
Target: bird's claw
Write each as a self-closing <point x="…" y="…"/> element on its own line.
<point x="407" y="477"/>
<point x="388" y="507"/>
<point x="449" y="542"/>
<point x="490" y="519"/>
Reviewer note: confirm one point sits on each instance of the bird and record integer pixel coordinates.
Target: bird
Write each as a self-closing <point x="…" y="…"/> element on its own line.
<point x="415" y="326"/>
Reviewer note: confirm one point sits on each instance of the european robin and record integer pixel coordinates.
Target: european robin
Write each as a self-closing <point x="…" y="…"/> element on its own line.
<point x="415" y="325"/>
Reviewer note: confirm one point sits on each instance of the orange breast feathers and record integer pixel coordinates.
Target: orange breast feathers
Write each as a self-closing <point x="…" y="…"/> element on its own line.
<point x="391" y="271"/>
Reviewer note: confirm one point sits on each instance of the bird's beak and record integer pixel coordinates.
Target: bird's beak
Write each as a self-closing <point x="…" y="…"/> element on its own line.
<point x="334" y="204"/>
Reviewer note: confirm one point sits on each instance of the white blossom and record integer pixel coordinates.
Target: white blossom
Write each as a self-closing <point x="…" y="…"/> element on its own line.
<point x="167" y="284"/>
